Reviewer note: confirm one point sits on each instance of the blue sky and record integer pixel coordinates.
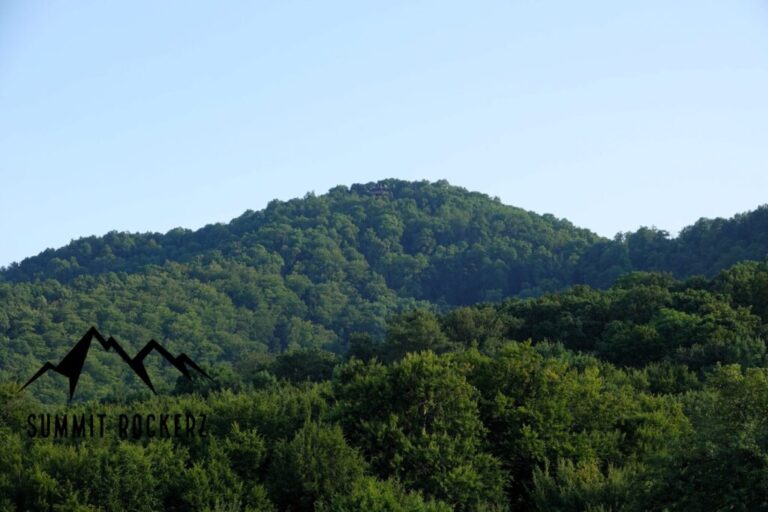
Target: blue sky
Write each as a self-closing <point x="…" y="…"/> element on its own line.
<point x="146" y="115"/>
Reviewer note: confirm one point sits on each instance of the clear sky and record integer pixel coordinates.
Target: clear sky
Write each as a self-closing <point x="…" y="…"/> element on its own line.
<point x="147" y="115"/>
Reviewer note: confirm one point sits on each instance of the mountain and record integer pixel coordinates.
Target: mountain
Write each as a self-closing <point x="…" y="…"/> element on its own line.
<point x="430" y="241"/>
<point x="426" y="240"/>
<point x="319" y="271"/>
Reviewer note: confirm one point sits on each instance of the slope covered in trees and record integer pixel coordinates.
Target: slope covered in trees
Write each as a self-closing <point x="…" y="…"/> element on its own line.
<point x="400" y="346"/>
<point x="705" y="248"/>
<point x="320" y="271"/>
<point x="429" y="241"/>
<point x="414" y="236"/>
<point x="648" y="396"/>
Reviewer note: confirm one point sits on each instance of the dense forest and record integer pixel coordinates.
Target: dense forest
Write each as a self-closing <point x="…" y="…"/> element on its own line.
<point x="430" y="241"/>
<point x="317" y="271"/>
<point x="400" y="346"/>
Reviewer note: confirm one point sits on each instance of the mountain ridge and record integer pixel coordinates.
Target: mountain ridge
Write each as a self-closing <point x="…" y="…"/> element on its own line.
<point x="705" y="247"/>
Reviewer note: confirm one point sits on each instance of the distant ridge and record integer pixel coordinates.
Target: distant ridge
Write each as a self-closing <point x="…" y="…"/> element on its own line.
<point x="468" y="247"/>
<point x="72" y="364"/>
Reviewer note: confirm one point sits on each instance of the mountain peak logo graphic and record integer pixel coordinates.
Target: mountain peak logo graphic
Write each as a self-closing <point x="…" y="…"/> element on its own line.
<point x="72" y="364"/>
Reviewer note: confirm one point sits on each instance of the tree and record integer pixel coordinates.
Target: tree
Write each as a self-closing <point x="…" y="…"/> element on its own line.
<point x="316" y="464"/>
<point x="414" y="331"/>
<point x="418" y="421"/>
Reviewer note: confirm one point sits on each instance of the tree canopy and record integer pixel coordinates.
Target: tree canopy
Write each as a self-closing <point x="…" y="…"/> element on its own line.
<point x="399" y="346"/>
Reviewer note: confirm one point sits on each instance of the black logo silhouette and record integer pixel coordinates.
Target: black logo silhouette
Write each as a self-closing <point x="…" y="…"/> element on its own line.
<point x="72" y="364"/>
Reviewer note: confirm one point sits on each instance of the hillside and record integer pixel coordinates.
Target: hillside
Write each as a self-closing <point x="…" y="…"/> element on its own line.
<point x="430" y="241"/>
<point x="704" y="248"/>
<point x="314" y="271"/>
<point x="413" y="235"/>
<point x="622" y="398"/>
<point x="393" y="346"/>
<point x="302" y="273"/>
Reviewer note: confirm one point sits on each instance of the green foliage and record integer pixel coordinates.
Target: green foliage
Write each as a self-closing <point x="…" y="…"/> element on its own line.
<point x="418" y="421"/>
<point x="723" y="465"/>
<point x="316" y="464"/>
<point x="539" y="409"/>
<point x="415" y="331"/>
<point x="362" y="354"/>
<point x="374" y="495"/>
<point x="645" y="318"/>
<point x="305" y="365"/>
<point x="318" y="273"/>
<point x="584" y="486"/>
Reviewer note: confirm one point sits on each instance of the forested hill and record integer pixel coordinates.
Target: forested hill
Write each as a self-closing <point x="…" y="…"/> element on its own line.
<point x="423" y="240"/>
<point x="705" y="248"/>
<point x="306" y="273"/>
<point x="429" y="241"/>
